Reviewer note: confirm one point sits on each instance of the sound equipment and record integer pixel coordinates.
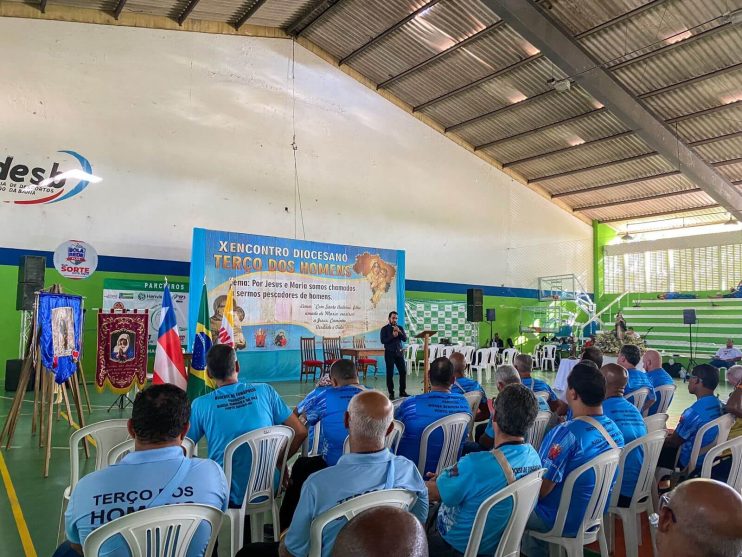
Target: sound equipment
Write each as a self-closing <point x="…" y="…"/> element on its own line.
<point x="31" y="270"/>
<point x="474" y="310"/>
<point x="689" y="316"/>
<point x="491" y="314"/>
<point x="13" y="374"/>
<point x="26" y="295"/>
<point x="474" y="297"/>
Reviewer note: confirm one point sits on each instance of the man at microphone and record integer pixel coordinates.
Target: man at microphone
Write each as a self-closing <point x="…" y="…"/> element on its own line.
<point x="392" y="337"/>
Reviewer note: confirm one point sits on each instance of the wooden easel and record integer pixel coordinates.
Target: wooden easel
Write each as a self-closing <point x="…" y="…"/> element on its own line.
<point x="45" y="389"/>
<point x="425" y="335"/>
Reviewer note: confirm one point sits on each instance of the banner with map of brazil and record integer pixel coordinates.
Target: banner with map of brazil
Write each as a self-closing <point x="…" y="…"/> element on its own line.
<point x="287" y="289"/>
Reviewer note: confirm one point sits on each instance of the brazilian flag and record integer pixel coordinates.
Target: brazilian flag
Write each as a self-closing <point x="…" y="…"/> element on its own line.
<point x="198" y="382"/>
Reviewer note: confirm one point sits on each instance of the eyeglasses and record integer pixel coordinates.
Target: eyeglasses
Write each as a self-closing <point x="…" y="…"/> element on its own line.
<point x="665" y="504"/>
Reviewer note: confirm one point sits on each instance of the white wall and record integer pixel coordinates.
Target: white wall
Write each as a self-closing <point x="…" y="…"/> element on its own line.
<point x="192" y="129"/>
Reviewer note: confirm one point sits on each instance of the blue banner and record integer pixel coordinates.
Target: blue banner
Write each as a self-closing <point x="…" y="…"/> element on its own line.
<point x="60" y="323"/>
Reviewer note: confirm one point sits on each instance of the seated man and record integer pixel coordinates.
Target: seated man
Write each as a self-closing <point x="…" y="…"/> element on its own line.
<point x="369" y="467"/>
<point x="700" y="518"/>
<point x="726" y="357"/>
<point x="723" y="467"/>
<point x="702" y="384"/>
<point x="593" y="354"/>
<point x="656" y="375"/>
<point x="382" y="532"/>
<point x="524" y="364"/>
<point x="419" y="411"/>
<point x="567" y="447"/>
<point x="464" y="487"/>
<point x="235" y="408"/>
<point x="463" y="384"/>
<point x="629" y="357"/>
<point x="631" y="423"/>
<point x="158" y="424"/>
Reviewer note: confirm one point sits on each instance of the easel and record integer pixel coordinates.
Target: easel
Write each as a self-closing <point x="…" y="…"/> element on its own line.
<point x="45" y="389"/>
<point x="425" y="335"/>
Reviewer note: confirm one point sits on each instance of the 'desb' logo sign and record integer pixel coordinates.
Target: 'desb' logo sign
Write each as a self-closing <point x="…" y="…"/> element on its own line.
<point x="22" y="180"/>
<point x="75" y="259"/>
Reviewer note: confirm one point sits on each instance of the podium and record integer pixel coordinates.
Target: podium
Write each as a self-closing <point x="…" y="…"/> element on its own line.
<point x="425" y="335"/>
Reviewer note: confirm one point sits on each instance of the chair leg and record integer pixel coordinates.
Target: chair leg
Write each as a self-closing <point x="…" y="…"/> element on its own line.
<point x="235" y="529"/>
<point x="630" y="537"/>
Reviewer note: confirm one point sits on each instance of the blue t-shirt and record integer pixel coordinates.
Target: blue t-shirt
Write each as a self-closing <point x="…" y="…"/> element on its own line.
<point x="353" y="475"/>
<point x="539" y="386"/>
<point x="228" y="412"/>
<point x="303" y="403"/>
<point x="638" y="380"/>
<point x="631" y="423"/>
<point x="131" y="484"/>
<point x="466" y="385"/>
<point x="419" y="411"/>
<point x="478" y="476"/>
<point x="700" y="413"/>
<point x="564" y="449"/>
<point x="658" y="378"/>
<point x="329" y="407"/>
<point x="543" y="406"/>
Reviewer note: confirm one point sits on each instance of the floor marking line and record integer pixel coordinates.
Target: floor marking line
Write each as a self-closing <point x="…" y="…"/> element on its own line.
<point x="15" y="506"/>
<point x="76" y="426"/>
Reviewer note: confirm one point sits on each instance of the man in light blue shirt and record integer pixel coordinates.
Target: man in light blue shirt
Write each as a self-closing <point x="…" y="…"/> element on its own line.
<point x="657" y="376"/>
<point x="464" y="487"/>
<point x="629" y="357"/>
<point x="157" y="473"/>
<point x="419" y="411"/>
<point x="369" y="467"/>
<point x="463" y="384"/>
<point x="524" y="364"/>
<point x="235" y="408"/>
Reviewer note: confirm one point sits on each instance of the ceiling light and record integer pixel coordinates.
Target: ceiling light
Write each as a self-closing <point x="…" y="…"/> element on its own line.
<point x="731" y="221"/>
<point x="517" y="97"/>
<point x="75" y="174"/>
<point x="679" y="36"/>
<point x="574" y="141"/>
<point x="560" y="84"/>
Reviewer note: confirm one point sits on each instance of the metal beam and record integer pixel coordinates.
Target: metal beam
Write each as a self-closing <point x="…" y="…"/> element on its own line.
<point x="605" y="204"/>
<point x="527" y="20"/>
<point x="441" y="54"/>
<point x="388" y="32"/>
<point x="618" y="19"/>
<point x="187" y="11"/>
<point x="703" y="112"/>
<point x="311" y="17"/>
<point x="593" y="167"/>
<point x="505" y="108"/>
<point x="615" y="184"/>
<point x="690" y="81"/>
<point x="724" y="137"/>
<point x="248" y="14"/>
<point x="662" y="213"/>
<point x="571" y="148"/>
<point x="118" y="9"/>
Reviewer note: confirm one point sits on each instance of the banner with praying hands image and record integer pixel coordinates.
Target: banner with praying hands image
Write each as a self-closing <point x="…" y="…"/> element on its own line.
<point x="285" y="289"/>
<point x="122" y="351"/>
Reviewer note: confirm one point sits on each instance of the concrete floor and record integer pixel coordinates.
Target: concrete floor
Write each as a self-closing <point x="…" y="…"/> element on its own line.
<point x="30" y="505"/>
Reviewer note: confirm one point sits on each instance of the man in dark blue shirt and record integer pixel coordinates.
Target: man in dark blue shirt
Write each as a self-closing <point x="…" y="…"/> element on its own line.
<point x="392" y="337"/>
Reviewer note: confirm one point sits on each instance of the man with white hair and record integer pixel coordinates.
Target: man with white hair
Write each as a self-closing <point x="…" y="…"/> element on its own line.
<point x="369" y="467"/>
<point x="657" y="376"/>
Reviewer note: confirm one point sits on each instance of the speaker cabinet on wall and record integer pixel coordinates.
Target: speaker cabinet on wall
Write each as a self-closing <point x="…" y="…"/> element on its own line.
<point x="689" y="317"/>
<point x="27" y="295"/>
<point x="474" y="310"/>
<point x="491" y="315"/>
<point x="474" y="314"/>
<point x="32" y="269"/>
<point x="474" y="297"/>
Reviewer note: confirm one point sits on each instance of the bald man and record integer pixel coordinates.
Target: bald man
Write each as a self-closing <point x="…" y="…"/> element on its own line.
<point x="382" y="532"/>
<point x="657" y="376"/>
<point x="700" y="518"/>
<point x="463" y="384"/>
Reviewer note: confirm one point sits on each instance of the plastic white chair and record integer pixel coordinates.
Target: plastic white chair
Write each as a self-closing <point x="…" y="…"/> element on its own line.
<point x="508" y="355"/>
<point x="399" y="498"/>
<point x="641" y="500"/>
<point x="446" y="351"/>
<point x="397" y="402"/>
<point x="638" y="397"/>
<point x="656" y="422"/>
<point x="723" y="425"/>
<point x="474" y="398"/>
<point x="548" y="356"/>
<point x="524" y="493"/>
<point x="735" y="472"/>
<point x="454" y="428"/>
<point x="392" y="439"/>
<point x="468" y="352"/>
<point x="433" y="351"/>
<point x="537" y="355"/>
<point x="122" y="449"/>
<point x="535" y="435"/>
<point x="484" y="361"/>
<point x="410" y="358"/>
<point x="494" y="357"/>
<point x="270" y="448"/>
<point x="166" y="530"/>
<point x="591" y="528"/>
<point x="664" y="394"/>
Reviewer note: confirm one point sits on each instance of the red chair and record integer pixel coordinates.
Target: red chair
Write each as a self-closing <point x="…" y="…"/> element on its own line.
<point x="331" y="350"/>
<point x="309" y="361"/>
<point x="363" y="364"/>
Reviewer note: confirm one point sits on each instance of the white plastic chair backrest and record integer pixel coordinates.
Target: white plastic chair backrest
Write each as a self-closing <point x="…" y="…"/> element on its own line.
<point x="164" y="531"/>
<point x="473" y="398"/>
<point x="468" y="352"/>
<point x="724" y="424"/>
<point x="656" y="422"/>
<point x="651" y="445"/>
<point x="536" y="434"/>
<point x="549" y="351"/>
<point x="508" y="355"/>
<point x="638" y="397"/>
<point x="481" y="357"/>
<point x="124" y="448"/>
<point x="397" y="402"/>
<point x="399" y="498"/>
<point x="542" y="394"/>
<point x="391" y="442"/>
<point x="316" y="431"/>
<point x="664" y="394"/>
<point x="493" y="355"/>
<point x="269" y="447"/>
<point x="604" y="468"/>
<point x="524" y="493"/>
<point x="454" y="428"/>
<point x="433" y="351"/>
<point x="107" y="434"/>
<point x="735" y="472"/>
<point x="447" y="351"/>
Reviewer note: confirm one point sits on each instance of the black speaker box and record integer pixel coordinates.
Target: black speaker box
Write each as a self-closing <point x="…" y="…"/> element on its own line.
<point x="474" y="314"/>
<point x="474" y="297"/>
<point x="32" y="269"/>
<point x="491" y="315"/>
<point x="689" y="317"/>
<point x="13" y="374"/>
<point x="27" y="295"/>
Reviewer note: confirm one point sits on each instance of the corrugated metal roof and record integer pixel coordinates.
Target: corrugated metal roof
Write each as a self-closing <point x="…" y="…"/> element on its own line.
<point x="578" y="16"/>
<point x="637" y="190"/>
<point x="281" y="13"/>
<point x="721" y="150"/>
<point x="648" y="206"/>
<point x="677" y="220"/>
<point x="220" y="10"/>
<point x="711" y="125"/>
<point x="105" y="5"/>
<point x="168" y="8"/>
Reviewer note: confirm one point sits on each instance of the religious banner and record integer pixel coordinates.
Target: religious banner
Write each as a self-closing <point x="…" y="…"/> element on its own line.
<point x="122" y="351"/>
<point x="285" y="289"/>
<point x="60" y="332"/>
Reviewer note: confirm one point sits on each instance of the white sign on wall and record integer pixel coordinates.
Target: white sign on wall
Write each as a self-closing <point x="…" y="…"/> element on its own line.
<point x="75" y="259"/>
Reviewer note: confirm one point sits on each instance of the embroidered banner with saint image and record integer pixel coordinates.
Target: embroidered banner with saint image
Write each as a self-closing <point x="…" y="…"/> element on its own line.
<point x="122" y="351"/>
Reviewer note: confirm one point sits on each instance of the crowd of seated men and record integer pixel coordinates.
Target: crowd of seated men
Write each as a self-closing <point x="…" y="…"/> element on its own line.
<point x="700" y="517"/>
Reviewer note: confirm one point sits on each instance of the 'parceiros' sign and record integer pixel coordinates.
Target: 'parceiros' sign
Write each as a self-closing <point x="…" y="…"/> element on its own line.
<point x="75" y="259"/>
<point x="27" y="181"/>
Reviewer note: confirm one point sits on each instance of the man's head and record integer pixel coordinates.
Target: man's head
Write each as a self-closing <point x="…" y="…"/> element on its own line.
<point x="506" y="375"/>
<point x="616" y="378"/>
<point x="703" y="380"/>
<point x="593" y="354"/>
<point x="221" y="363"/>
<point x="393" y="317"/>
<point x="368" y="420"/>
<point x="524" y="364"/>
<point x="734" y="376"/>
<point x="382" y="532"/>
<point x="459" y="363"/>
<point x="652" y="360"/>
<point x="703" y="518"/>
<point x="730" y="343"/>
<point x="515" y="411"/>
<point x="159" y="417"/>
<point x="629" y="356"/>
<point x="343" y="372"/>
<point x="585" y="385"/>
<point x="441" y="373"/>
<point x="497" y="335"/>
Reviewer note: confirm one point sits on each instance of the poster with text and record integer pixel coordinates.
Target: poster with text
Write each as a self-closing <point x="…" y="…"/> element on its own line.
<point x="287" y="289"/>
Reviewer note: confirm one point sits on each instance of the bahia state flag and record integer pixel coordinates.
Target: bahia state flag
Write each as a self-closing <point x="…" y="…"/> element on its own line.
<point x="226" y="329"/>
<point x="199" y="382"/>
<point x="169" y="365"/>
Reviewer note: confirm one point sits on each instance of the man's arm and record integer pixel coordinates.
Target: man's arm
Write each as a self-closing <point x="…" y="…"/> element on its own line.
<point x="559" y="407"/>
<point x="486" y="441"/>
<point x="674" y="441"/>
<point x="386" y="335"/>
<point x="300" y="433"/>
<point x="402" y="334"/>
<point x="483" y="412"/>
<point x="282" y="551"/>
<point x="547" y="486"/>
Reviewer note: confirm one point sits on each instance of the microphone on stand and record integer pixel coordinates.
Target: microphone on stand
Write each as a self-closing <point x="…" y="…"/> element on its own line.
<point x="647" y="333"/>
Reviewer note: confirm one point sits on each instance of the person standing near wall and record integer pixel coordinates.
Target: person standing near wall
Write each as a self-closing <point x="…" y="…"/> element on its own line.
<point x="392" y="337"/>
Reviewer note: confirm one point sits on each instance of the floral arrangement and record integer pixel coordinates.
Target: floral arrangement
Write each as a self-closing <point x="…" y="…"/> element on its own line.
<point x="608" y="342"/>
